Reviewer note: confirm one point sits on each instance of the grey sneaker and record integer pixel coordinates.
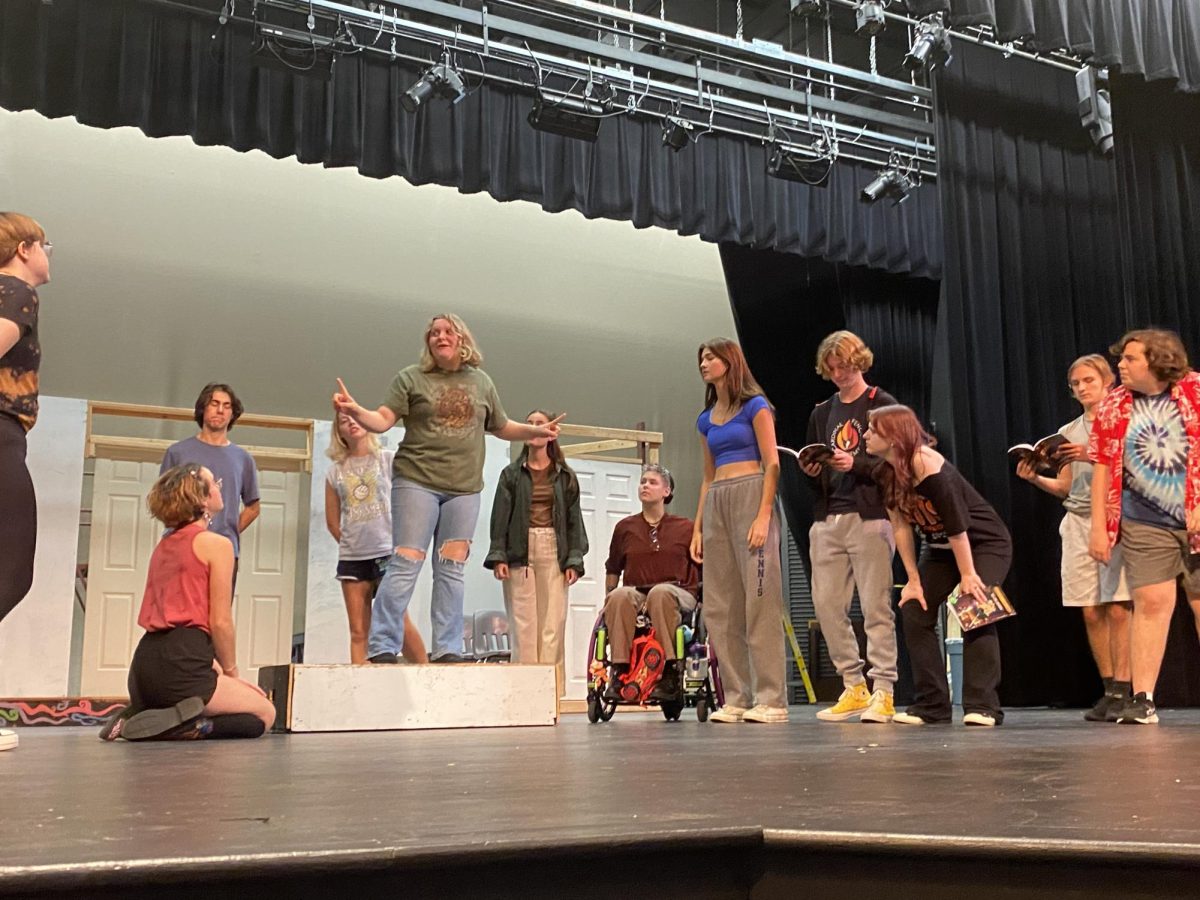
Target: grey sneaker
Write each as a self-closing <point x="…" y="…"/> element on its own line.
<point x="153" y="723"/>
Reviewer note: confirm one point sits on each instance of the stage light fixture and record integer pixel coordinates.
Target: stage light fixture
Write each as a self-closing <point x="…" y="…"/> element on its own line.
<point x="809" y="165"/>
<point x="891" y="181"/>
<point x="808" y="7"/>
<point x="930" y="49"/>
<point x="676" y="132"/>
<point x="567" y="118"/>
<point x="869" y="18"/>
<point x="441" y="80"/>
<point x="1095" y="106"/>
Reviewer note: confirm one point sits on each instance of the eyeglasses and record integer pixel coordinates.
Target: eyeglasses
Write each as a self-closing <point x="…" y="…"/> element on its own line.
<point x="48" y="248"/>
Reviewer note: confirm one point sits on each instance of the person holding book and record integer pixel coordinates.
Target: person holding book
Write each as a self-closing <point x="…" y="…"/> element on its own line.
<point x="649" y="559"/>
<point x="1098" y="589"/>
<point x="538" y="546"/>
<point x="1145" y="445"/>
<point x="966" y="544"/>
<point x="850" y="542"/>
<point x="736" y="536"/>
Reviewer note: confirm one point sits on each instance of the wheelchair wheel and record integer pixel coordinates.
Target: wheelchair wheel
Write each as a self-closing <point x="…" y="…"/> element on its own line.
<point x="702" y="710"/>
<point x="671" y="710"/>
<point x="607" y="709"/>
<point x="593" y="708"/>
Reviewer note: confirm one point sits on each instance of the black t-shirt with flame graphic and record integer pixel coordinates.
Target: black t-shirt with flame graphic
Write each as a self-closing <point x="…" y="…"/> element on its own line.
<point x="19" y="366"/>
<point x="948" y="505"/>
<point x="854" y="491"/>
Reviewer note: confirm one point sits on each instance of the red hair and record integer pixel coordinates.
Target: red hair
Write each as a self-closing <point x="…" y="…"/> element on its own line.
<point x="900" y="426"/>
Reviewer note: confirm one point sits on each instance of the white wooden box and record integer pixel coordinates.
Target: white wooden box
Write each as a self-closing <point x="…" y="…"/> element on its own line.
<point x="381" y="698"/>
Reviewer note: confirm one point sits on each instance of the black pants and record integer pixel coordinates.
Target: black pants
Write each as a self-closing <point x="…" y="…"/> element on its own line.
<point x="981" y="647"/>
<point x="18" y="517"/>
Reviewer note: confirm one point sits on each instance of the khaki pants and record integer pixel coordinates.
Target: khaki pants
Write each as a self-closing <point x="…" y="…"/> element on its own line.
<point x="535" y="598"/>
<point x="743" y="596"/>
<point x="847" y="551"/>
<point x="662" y="604"/>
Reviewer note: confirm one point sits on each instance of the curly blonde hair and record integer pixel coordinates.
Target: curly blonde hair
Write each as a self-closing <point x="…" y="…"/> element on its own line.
<point x="846" y="346"/>
<point x="468" y="350"/>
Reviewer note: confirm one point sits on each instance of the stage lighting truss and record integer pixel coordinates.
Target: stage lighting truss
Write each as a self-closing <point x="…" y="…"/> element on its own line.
<point x="586" y="59"/>
<point x="930" y="48"/>
<point x="896" y="180"/>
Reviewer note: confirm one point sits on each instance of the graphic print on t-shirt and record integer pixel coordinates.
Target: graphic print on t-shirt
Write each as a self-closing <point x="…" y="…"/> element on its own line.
<point x="364" y="500"/>
<point x="848" y="436"/>
<point x="454" y="411"/>
<point x="1156" y="448"/>
<point x="925" y="516"/>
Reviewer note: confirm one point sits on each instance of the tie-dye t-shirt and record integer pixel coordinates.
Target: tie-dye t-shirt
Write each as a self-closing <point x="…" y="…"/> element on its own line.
<point x="19" y="366"/>
<point x="1156" y="448"/>
<point x="445" y="416"/>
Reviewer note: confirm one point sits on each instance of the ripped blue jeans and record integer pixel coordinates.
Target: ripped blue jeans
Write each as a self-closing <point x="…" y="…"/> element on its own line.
<point x="419" y="516"/>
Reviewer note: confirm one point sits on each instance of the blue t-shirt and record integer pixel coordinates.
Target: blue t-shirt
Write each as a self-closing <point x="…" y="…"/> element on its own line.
<point x="237" y="472"/>
<point x="1156" y="447"/>
<point x="734" y="441"/>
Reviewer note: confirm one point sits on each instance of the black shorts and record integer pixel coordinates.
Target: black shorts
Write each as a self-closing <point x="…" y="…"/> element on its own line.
<point x="361" y="569"/>
<point x="169" y="666"/>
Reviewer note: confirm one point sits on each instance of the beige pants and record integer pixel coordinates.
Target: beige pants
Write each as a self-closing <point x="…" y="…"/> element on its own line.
<point x="662" y="605"/>
<point x="535" y="598"/>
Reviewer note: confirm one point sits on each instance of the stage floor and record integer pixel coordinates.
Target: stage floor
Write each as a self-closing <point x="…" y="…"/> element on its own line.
<point x="77" y="811"/>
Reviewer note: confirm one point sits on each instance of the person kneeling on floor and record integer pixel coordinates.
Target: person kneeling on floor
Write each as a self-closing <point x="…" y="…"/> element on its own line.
<point x="649" y="556"/>
<point x="183" y="681"/>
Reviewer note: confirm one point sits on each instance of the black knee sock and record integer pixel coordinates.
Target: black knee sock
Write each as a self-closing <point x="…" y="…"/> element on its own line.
<point x="237" y="725"/>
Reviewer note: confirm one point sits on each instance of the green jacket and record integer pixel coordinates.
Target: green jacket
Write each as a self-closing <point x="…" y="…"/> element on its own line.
<point x="510" y="519"/>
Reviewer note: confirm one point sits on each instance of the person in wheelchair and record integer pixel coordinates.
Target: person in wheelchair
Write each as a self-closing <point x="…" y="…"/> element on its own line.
<point x="649" y="557"/>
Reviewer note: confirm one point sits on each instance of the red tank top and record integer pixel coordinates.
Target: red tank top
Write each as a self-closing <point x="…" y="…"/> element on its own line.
<point x="176" y="585"/>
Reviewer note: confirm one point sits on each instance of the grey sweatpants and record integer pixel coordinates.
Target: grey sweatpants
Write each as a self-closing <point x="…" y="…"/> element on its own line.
<point x="846" y="551"/>
<point x="743" y="596"/>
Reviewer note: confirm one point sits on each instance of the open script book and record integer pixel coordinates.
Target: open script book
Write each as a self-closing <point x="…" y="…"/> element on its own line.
<point x="1044" y="455"/>
<point x="973" y="612"/>
<point x="810" y="453"/>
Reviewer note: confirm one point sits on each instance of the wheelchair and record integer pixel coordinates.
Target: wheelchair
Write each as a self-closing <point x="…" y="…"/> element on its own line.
<point x="699" y="675"/>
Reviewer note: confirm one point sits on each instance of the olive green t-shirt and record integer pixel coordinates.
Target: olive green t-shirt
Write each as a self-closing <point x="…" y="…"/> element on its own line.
<point x="445" y="416"/>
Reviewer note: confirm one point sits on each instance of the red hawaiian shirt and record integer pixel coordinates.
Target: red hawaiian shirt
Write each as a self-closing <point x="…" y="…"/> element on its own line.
<point x="1107" y="447"/>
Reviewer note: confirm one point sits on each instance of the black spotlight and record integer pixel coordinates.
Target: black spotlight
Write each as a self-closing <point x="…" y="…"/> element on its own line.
<point x="1095" y="106"/>
<point x="676" y="132"/>
<point x="810" y="165"/>
<point x="440" y="80"/>
<point x="869" y="18"/>
<point x="568" y="118"/>
<point x="931" y="46"/>
<point x="889" y="182"/>
<point x="808" y="7"/>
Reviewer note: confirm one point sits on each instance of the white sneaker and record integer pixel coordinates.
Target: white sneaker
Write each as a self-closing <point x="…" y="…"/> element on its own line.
<point x="976" y="718"/>
<point x="8" y="739"/>
<point x="728" y="714"/>
<point x="768" y="715"/>
<point x="907" y="719"/>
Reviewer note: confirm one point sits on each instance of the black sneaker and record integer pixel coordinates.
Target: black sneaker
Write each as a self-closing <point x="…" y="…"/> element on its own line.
<point x="1138" y="711"/>
<point x="150" y="724"/>
<point x="1118" y="697"/>
<point x="612" y="688"/>
<point x="1105" y="706"/>
<point x="451" y="658"/>
<point x="668" y="689"/>
<point x="195" y="730"/>
<point x="111" y="730"/>
<point x="384" y="659"/>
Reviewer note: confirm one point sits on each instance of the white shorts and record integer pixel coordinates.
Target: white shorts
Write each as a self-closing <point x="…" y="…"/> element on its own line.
<point x="1086" y="582"/>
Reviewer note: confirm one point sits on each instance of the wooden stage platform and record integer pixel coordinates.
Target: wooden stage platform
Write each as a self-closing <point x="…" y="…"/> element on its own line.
<point x="1045" y="806"/>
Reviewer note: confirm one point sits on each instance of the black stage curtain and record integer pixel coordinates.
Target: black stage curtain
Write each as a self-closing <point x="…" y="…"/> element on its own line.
<point x="133" y="62"/>
<point x="783" y="305"/>
<point x="1032" y="281"/>
<point x="1157" y="134"/>
<point x="1152" y="38"/>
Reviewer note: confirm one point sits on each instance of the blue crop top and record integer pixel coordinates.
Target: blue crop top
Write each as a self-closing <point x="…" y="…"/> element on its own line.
<point x="735" y="440"/>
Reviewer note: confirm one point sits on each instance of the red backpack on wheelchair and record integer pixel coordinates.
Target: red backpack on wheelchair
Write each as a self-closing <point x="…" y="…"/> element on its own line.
<point x="646" y="661"/>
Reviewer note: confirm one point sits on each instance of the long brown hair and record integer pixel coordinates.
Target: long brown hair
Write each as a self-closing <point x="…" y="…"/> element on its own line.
<point x="1165" y="353"/>
<point x="738" y="379"/>
<point x="899" y="426"/>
